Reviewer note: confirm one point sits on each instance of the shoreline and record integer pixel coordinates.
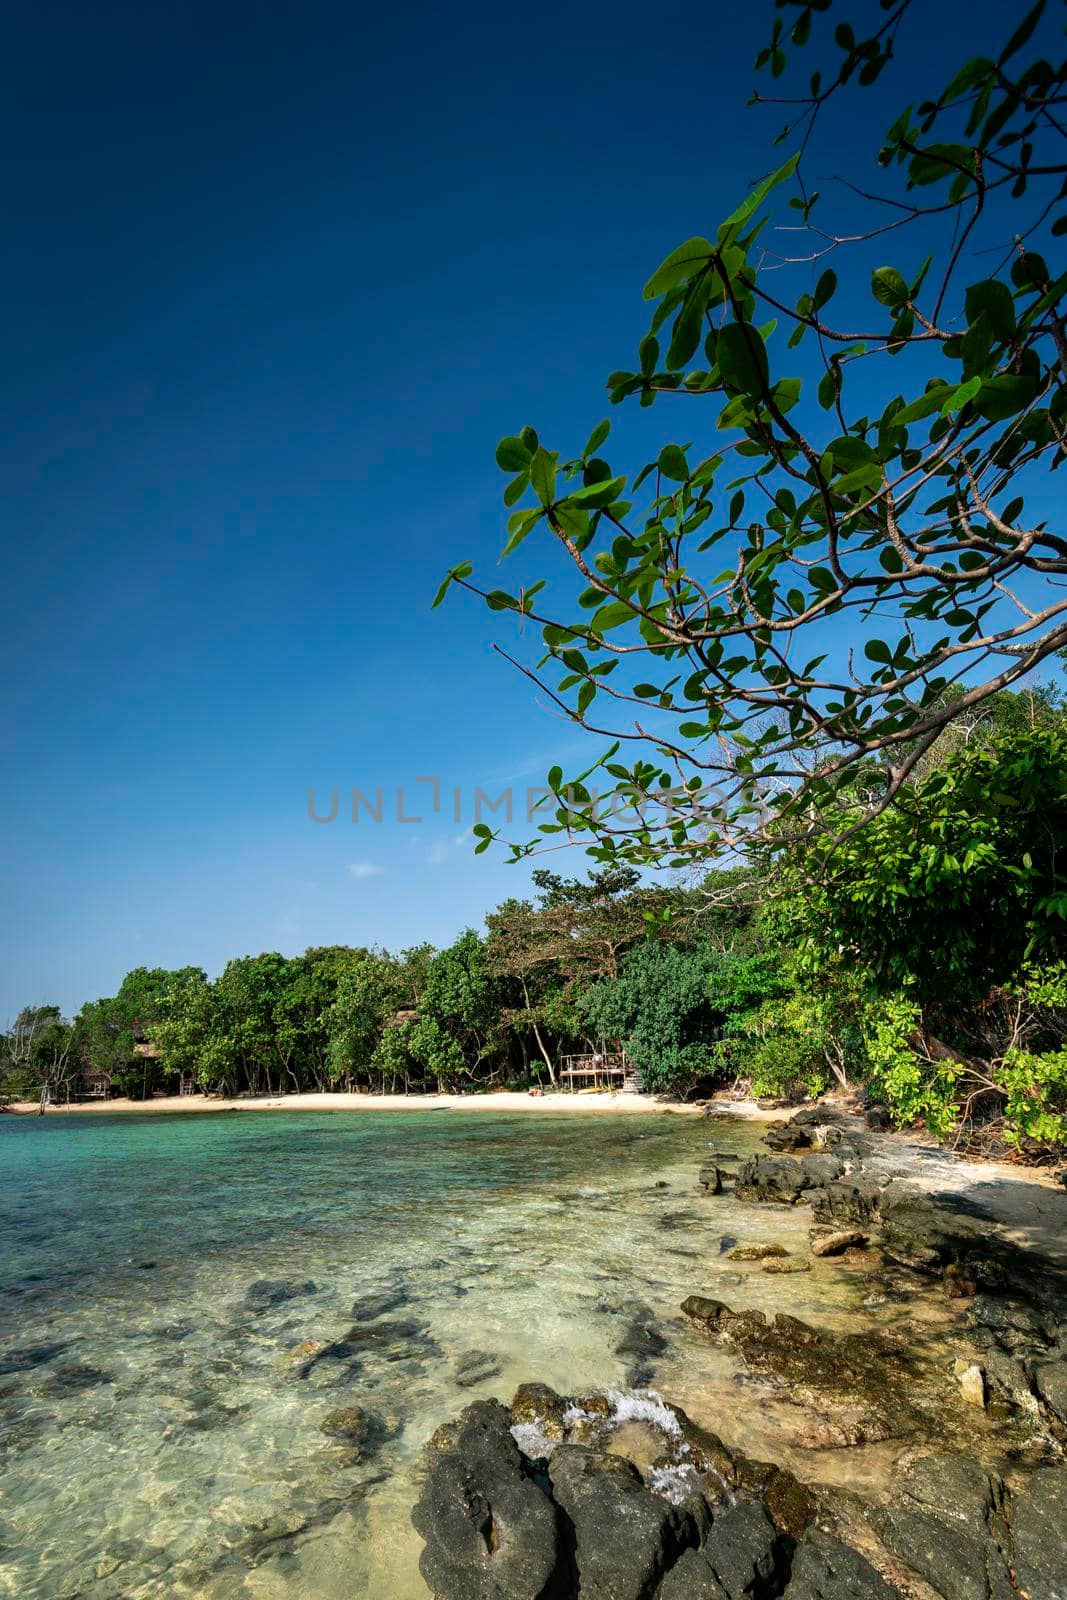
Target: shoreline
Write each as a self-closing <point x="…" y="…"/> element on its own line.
<point x="563" y="1103"/>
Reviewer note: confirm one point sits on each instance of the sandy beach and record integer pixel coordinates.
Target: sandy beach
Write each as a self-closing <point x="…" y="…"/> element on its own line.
<point x="622" y="1104"/>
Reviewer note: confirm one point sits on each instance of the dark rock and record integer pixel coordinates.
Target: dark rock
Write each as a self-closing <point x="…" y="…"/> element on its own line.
<point x="700" y="1308"/>
<point x="744" y="1551"/>
<point x="370" y="1306"/>
<point x="726" y="1243"/>
<point x="24" y="1358"/>
<point x="847" y="1202"/>
<point x="268" y="1292"/>
<point x="1013" y="1325"/>
<point x="350" y="1423"/>
<point x="399" y="1340"/>
<point x="1050" y="1382"/>
<point x="878" y="1119"/>
<point x="771" y="1180"/>
<point x="475" y="1366"/>
<point x="756" y="1252"/>
<point x="691" y="1579"/>
<point x="960" y="1281"/>
<point x="625" y="1537"/>
<point x="1039" y="1528"/>
<point x="825" y="1569"/>
<point x="947" y="1523"/>
<point x="711" y="1179"/>
<point x="63" y="1381"/>
<point x="789" y="1137"/>
<point x="490" y="1532"/>
<point x="822" y="1169"/>
<point x="640" y="1344"/>
<point x="791" y="1505"/>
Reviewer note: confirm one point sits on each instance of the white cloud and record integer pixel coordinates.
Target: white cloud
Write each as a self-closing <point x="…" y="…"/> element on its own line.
<point x="364" y="869"/>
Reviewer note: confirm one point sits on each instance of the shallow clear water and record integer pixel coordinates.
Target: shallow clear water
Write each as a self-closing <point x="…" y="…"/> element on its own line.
<point x="155" y="1442"/>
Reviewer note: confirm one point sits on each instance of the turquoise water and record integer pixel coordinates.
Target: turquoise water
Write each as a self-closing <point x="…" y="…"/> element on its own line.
<point x="156" y="1438"/>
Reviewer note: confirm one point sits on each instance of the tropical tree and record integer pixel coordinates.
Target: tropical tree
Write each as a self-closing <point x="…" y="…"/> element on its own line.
<point x="831" y="558"/>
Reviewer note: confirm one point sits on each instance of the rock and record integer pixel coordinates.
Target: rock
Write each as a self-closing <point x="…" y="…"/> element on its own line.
<point x="726" y="1242"/>
<point x="70" y="1380"/>
<point x="1039" y="1528"/>
<point x="370" y="1306"/>
<point x="878" y="1119"/>
<point x="625" y="1537"/>
<point x="789" y="1136"/>
<point x="711" y="1179"/>
<point x="398" y="1340"/>
<point x="786" y="1266"/>
<point x="350" y="1423"/>
<point x="947" y="1523"/>
<point x="490" y="1532"/>
<point x="851" y="1202"/>
<point x="691" y="1579"/>
<point x="1050" y="1382"/>
<point x="971" y="1382"/>
<point x="24" y="1358"/>
<point x="1013" y="1325"/>
<point x="832" y="1244"/>
<point x="699" y="1308"/>
<point x="960" y="1281"/>
<point x="756" y="1252"/>
<point x="792" y="1507"/>
<point x="771" y="1180"/>
<point x="535" y="1404"/>
<point x="641" y="1342"/>
<point x="822" y="1169"/>
<point x="744" y="1551"/>
<point x="297" y="1362"/>
<point x="825" y="1569"/>
<point x="268" y="1292"/>
<point x="704" y="1450"/>
<point x="475" y="1366"/>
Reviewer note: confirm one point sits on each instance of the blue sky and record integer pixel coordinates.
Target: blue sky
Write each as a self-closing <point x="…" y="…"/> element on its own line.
<point x="277" y="281"/>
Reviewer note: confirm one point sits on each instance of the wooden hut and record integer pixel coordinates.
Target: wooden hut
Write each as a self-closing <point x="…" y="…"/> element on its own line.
<point x="598" y="1069"/>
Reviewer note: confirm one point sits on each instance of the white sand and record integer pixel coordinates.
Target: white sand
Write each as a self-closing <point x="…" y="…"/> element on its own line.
<point x="639" y="1104"/>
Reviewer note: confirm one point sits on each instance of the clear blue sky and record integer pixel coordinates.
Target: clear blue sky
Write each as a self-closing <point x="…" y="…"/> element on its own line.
<point x="277" y="278"/>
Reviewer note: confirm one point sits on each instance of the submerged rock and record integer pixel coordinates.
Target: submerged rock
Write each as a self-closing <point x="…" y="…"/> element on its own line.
<point x="490" y="1531"/>
<point x="756" y="1252"/>
<point x="268" y="1292"/>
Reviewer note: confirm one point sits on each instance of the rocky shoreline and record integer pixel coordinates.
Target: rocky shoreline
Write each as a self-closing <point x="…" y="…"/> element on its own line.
<point x="623" y="1497"/>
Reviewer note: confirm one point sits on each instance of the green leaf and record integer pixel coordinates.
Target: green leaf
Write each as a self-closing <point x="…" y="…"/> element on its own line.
<point x="824" y="289"/>
<point x="519" y="525"/>
<point x="959" y="397"/>
<point x="888" y="287"/>
<point x="688" y="328"/>
<point x="464" y="570"/>
<point x="939" y="161"/>
<point x="672" y="463"/>
<point x="681" y="265"/>
<point x="742" y="358"/>
<point x="878" y="650"/>
<point x="512" y="455"/>
<point x="757" y="197"/>
<point x="543" y="476"/>
<point x="597" y="494"/>
<point x="596" y="439"/>
<point x="995" y="299"/>
<point x="1022" y="33"/>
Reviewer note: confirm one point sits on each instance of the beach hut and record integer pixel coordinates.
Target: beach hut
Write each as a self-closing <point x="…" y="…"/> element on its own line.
<point x="597" y="1070"/>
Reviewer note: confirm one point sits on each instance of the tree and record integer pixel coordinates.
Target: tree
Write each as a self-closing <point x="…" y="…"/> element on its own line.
<point x="40" y="1055"/>
<point x="868" y="490"/>
<point x="659" y="1009"/>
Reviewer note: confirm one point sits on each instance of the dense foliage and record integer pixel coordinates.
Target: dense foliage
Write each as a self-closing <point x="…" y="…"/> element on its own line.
<point x="925" y="970"/>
